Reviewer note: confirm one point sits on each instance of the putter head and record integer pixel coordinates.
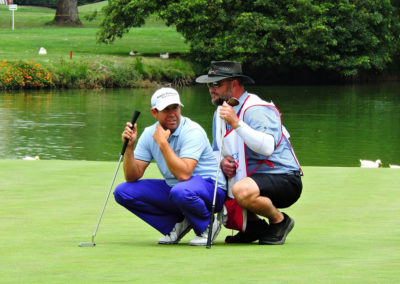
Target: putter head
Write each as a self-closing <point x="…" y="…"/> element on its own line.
<point x="232" y="102"/>
<point x="87" y="244"/>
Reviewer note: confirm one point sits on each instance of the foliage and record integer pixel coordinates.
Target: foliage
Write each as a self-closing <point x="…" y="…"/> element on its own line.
<point x="134" y="73"/>
<point x="341" y="36"/>
<point x="23" y="74"/>
<point x="71" y="74"/>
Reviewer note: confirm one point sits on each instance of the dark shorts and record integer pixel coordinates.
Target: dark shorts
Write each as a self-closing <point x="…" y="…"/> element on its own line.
<point x="283" y="190"/>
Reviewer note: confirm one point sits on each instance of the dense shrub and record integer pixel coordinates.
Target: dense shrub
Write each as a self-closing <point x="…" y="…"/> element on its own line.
<point x="341" y="37"/>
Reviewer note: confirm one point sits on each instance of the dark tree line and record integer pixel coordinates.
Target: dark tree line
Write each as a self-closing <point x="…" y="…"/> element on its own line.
<point x="344" y="37"/>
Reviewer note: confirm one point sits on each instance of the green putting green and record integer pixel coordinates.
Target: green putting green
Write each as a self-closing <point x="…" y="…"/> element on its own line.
<point x="347" y="230"/>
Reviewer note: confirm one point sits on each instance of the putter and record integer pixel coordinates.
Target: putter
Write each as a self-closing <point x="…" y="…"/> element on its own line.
<point x="92" y="243"/>
<point x="231" y="102"/>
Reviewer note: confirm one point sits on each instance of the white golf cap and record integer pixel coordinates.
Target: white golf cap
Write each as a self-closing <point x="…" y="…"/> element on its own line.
<point x="164" y="97"/>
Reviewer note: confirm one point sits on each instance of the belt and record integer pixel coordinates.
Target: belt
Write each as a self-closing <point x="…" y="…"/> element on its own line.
<point x="294" y="173"/>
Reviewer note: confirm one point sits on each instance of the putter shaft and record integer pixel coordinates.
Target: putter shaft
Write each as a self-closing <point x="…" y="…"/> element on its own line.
<point x="232" y="102"/>
<point x="83" y="244"/>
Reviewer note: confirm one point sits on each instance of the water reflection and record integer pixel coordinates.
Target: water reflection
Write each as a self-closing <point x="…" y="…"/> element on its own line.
<point x="330" y="125"/>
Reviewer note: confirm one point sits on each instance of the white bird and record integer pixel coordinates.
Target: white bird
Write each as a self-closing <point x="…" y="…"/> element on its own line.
<point x="42" y="51"/>
<point x="394" y="166"/>
<point x="164" y="55"/>
<point x="370" y="164"/>
<point x="133" y="52"/>
<point x="27" y="158"/>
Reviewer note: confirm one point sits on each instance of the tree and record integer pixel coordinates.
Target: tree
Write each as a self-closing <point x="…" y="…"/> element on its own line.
<point x="67" y="13"/>
<point x="341" y="36"/>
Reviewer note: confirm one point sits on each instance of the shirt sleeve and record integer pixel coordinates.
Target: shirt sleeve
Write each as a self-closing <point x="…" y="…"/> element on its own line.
<point x="265" y="119"/>
<point x="142" y="150"/>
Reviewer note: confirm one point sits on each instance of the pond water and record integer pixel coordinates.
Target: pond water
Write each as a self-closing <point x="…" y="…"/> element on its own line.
<point x="329" y="125"/>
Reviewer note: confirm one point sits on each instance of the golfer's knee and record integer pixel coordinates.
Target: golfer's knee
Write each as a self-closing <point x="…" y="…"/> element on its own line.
<point x="118" y="194"/>
<point x="124" y="195"/>
<point x="180" y="195"/>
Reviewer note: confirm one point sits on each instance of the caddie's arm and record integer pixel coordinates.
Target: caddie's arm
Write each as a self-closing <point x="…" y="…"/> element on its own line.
<point x="181" y="168"/>
<point x="260" y="142"/>
<point x="133" y="169"/>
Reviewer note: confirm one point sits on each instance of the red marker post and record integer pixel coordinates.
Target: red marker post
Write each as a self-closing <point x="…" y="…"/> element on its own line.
<point x="70" y="55"/>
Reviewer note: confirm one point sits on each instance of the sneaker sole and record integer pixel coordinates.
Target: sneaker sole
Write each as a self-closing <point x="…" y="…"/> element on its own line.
<point x="212" y="240"/>
<point x="179" y="238"/>
<point x="282" y="241"/>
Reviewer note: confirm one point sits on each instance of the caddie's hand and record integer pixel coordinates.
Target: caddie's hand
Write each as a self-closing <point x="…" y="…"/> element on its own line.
<point x="130" y="134"/>
<point x="161" y="135"/>
<point x="228" y="166"/>
<point x="228" y="114"/>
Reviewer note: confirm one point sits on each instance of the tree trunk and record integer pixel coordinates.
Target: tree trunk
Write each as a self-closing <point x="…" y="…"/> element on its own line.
<point x="67" y="13"/>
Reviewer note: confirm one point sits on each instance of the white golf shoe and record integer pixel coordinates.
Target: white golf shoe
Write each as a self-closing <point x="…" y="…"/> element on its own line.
<point x="177" y="233"/>
<point x="201" y="240"/>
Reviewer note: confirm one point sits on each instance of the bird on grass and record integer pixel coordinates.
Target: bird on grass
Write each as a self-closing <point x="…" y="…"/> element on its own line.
<point x="164" y="55"/>
<point x="370" y="164"/>
<point x="27" y="158"/>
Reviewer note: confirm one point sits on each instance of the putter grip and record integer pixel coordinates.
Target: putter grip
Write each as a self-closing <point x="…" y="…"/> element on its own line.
<point x="133" y="121"/>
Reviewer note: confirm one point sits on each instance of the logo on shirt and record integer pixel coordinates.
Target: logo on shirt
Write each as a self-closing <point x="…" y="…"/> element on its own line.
<point x="235" y="157"/>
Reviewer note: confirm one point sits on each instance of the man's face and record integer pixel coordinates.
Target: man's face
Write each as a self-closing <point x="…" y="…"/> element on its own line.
<point x="169" y="117"/>
<point x="220" y="91"/>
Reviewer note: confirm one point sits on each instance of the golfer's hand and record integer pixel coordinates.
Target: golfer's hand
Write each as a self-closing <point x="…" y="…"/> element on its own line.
<point x="130" y="134"/>
<point x="161" y="135"/>
<point x="228" y="114"/>
<point x="228" y="166"/>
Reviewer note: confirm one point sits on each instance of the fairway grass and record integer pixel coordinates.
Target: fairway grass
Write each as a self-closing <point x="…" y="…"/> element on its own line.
<point x="347" y="230"/>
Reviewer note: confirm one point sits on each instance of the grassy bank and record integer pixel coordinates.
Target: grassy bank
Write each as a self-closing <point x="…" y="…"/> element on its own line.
<point x="92" y="64"/>
<point x="346" y="231"/>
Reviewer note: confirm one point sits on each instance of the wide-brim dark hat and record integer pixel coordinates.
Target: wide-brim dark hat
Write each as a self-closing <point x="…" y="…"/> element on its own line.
<point x="221" y="70"/>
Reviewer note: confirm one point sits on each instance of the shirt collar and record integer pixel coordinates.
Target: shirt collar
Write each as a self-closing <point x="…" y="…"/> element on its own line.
<point x="241" y="101"/>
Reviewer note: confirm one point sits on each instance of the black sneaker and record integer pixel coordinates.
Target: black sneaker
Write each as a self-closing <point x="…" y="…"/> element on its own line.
<point x="253" y="232"/>
<point x="276" y="233"/>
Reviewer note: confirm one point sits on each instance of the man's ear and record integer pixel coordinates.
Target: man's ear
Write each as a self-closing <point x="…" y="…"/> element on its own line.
<point x="154" y="112"/>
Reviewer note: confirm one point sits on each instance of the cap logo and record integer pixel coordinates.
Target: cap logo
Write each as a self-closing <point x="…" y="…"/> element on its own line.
<point x="165" y="95"/>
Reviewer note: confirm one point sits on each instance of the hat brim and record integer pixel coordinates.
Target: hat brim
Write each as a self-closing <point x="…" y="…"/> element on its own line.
<point x="204" y="79"/>
<point x="164" y="105"/>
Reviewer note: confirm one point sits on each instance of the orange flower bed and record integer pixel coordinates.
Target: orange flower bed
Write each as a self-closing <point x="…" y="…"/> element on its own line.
<point x="23" y="75"/>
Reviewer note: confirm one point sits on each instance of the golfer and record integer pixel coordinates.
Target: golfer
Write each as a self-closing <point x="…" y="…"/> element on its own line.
<point x="182" y="151"/>
<point x="263" y="172"/>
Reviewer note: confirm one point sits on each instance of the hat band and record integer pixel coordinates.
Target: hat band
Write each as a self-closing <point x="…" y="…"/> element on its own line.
<point x="225" y="74"/>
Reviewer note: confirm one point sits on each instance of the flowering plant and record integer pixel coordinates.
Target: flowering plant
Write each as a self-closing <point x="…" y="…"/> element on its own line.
<point x="23" y="74"/>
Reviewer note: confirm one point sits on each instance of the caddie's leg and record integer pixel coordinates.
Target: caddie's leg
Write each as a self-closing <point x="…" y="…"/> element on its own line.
<point x="194" y="198"/>
<point x="149" y="200"/>
<point x="263" y="194"/>
<point x="247" y="194"/>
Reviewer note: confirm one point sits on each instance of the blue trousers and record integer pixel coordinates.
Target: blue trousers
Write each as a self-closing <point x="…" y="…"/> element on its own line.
<point x="162" y="206"/>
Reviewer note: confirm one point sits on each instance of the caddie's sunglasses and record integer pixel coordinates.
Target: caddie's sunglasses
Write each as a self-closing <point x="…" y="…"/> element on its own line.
<point x="218" y="83"/>
<point x="214" y="84"/>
